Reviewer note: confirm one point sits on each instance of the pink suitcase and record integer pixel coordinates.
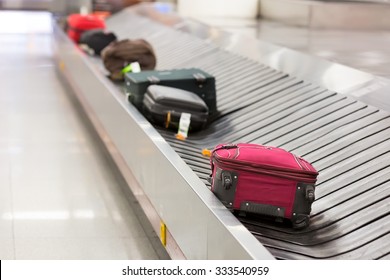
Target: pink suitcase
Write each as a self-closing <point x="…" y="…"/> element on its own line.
<point x="251" y="178"/>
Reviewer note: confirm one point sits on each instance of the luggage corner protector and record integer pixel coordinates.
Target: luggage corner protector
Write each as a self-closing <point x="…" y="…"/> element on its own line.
<point x="61" y="65"/>
<point x="163" y="233"/>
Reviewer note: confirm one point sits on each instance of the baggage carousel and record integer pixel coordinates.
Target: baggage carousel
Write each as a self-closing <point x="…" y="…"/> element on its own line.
<point x="334" y="116"/>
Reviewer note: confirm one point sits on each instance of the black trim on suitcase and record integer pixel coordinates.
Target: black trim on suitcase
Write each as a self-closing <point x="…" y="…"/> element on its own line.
<point x="262" y="209"/>
<point x="304" y="197"/>
<point x="225" y="185"/>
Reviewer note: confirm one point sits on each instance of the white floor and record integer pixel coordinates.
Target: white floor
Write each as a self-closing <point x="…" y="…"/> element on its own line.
<point x="59" y="198"/>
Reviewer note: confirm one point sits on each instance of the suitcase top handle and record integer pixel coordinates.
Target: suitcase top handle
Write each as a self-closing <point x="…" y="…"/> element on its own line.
<point x="199" y="77"/>
<point x="225" y="147"/>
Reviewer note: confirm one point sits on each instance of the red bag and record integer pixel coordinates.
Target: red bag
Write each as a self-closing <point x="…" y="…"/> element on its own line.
<point x="251" y="178"/>
<point x="78" y="23"/>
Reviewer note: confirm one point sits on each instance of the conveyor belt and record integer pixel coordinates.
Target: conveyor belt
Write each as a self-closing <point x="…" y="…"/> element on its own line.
<point x="345" y="139"/>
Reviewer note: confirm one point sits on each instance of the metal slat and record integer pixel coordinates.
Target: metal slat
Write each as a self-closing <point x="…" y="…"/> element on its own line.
<point x="293" y="144"/>
<point x="356" y="213"/>
<point x="352" y="189"/>
<point x="248" y="94"/>
<point x="226" y="64"/>
<point x="247" y="77"/>
<point x="367" y="251"/>
<point x="315" y="125"/>
<point x="375" y="122"/>
<point x="371" y="250"/>
<point x="345" y="141"/>
<point x="291" y="115"/>
<point x="333" y="184"/>
<point x="385" y="257"/>
<point x="243" y="96"/>
<point x="337" y="108"/>
<point x="177" y="49"/>
<point x="359" y="146"/>
<point x="222" y="63"/>
<point x="344" y="245"/>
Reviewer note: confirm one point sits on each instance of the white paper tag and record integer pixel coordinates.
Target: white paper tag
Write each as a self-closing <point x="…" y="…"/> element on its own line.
<point x="84" y="10"/>
<point x="135" y="67"/>
<point x="184" y="125"/>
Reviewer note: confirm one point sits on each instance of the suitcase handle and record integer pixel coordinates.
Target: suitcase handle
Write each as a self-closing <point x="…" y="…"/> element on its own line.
<point x="200" y="78"/>
<point x="227" y="181"/>
<point x="227" y="146"/>
<point x="153" y="80"/>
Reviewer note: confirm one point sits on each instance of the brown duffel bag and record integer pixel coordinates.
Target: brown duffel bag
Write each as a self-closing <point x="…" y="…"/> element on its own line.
<point x="119" y="54"/>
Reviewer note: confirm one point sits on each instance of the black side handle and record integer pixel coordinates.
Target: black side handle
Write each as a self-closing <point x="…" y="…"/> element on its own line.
<point x="309" y="194"/>
<point x="227" y="181"/>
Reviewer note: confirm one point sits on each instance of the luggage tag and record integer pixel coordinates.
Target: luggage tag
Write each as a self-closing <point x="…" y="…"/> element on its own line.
<point x="132" y="67"/>
<point x="184" y="125"/>
<point x="84" y="10"/>
<point x="168" y="119"/>
<point x="206" y="152"/>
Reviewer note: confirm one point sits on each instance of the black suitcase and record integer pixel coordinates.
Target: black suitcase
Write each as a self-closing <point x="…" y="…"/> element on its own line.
<point x="192" y="79"/>
<point x="164" y="105"/>
<point x="97" y="39"/>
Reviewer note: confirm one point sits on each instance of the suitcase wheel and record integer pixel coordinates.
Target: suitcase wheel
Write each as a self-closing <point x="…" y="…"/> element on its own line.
<point x="240" y="213"/>
<point x="301" y="221"/>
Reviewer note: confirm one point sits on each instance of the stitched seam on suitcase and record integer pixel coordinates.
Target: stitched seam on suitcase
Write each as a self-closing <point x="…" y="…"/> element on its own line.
<point x="286" y="173"/>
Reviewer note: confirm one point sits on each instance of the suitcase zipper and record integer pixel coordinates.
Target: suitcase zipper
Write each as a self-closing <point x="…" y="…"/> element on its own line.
<point x="232" y="146"/>
<point x="254" y="165"/>
<point x="298" y="162"/>
<point x="304" y="175"/>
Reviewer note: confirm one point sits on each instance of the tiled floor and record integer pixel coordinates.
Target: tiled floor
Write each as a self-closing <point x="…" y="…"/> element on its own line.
<point x="59" y="198"/>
